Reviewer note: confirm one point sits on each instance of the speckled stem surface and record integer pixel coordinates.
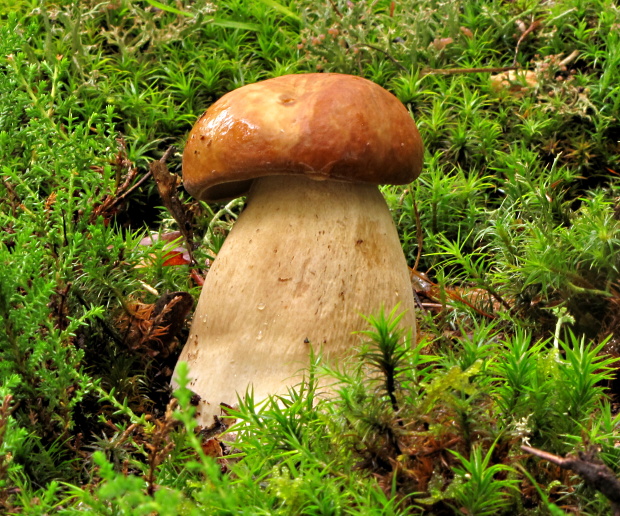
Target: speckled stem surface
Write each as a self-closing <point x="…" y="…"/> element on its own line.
<point x="301" y="265"/>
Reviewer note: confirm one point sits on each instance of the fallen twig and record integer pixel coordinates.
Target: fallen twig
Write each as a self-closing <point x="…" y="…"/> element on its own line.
<point x="533" y="26"/>
<point x="419" y="235"/>
<point x="570" y="57"/>
<point x="137" y="185"/>
<point x="384" y="52"/>
<point x="589" y="467"/>
<point x="452" y="294"/>
<point x="453" y="71"/>
<point x="335" y="8"/>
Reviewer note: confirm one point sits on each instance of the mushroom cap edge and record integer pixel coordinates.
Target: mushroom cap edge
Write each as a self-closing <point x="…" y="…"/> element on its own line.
<point x="324" y="126"/>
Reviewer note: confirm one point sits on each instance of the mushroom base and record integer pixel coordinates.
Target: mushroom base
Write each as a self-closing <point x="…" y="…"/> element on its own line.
<point x="302" y="264"/>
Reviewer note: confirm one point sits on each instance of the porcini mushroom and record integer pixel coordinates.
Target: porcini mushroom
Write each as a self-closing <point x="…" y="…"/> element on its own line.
<point x="315" y="247"/>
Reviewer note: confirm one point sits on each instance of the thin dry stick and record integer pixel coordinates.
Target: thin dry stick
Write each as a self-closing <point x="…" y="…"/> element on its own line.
<point x="137" y="185"/>
<point x="533" y="26"/>
<point x="569" y="58"/>
<point x="335" y="8"/>
<point x="437" y="71"/>
<point x="589" y="467"/>
<point x="454" y="71"/>
<point x="420" y="238"/>
<point x="386" y="53"/>
<point x="452" y="294"/>
<point x="451" y="71"/>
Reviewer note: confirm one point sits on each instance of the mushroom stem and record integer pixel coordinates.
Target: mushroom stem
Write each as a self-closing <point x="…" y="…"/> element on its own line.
<point x="301" y="265"/>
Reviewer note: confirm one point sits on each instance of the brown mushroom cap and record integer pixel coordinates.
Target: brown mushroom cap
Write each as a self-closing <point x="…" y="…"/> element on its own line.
<point x="324" y="126"/>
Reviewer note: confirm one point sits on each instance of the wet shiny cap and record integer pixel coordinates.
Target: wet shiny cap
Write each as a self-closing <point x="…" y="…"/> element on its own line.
<point x="323" y="126"/>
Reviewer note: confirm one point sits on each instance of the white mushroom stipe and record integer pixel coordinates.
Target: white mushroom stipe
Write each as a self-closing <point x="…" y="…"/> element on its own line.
<point x="326" y="253"/>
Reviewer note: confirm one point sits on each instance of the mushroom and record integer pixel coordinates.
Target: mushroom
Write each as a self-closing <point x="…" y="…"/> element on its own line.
<point x="315" y="247"/>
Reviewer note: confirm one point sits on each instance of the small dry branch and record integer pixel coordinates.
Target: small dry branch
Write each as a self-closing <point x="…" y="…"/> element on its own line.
<point x="590" y="468"/>
<point x="335" y="8"/>
<point x="384" y="52"/>
<point x="167" y="184"/>
<point x="533" y="26"/>
<point x="454" y="71"/>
